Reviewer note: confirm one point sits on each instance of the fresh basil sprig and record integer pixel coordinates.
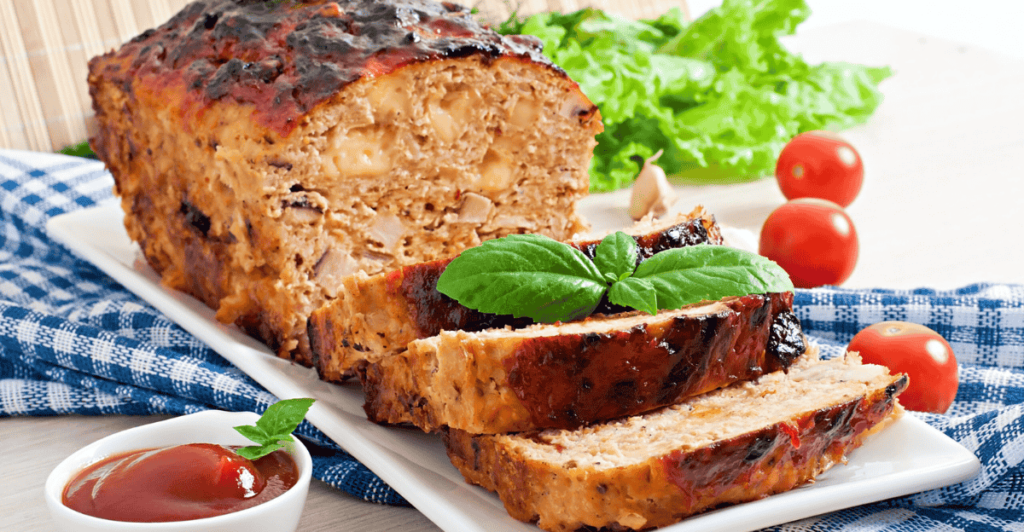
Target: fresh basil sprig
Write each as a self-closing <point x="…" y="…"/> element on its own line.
<point x="548" y="281"/>
<point x="273" y="427"/>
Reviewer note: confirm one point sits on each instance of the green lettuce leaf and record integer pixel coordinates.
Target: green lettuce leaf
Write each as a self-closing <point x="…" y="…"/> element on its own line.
<point x="720" y="95"/>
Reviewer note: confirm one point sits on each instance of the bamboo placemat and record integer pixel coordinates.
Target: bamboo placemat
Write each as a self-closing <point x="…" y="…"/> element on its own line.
<point x="45" y="46"/>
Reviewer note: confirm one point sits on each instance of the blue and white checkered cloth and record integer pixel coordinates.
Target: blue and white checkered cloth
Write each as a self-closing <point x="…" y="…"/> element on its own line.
<point x="73" y="341"/>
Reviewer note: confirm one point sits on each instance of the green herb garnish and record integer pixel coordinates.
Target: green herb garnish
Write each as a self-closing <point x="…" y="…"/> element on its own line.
<point x="81" y="149"/>
<point x="548" y="281"/>
<point x="273" y="427"/>
<point x="720" y="95"/>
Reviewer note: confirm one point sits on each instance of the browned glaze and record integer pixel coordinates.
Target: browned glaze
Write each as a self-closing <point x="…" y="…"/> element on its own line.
<point x="575" y="379"/>
<point x="433" y="312"/>
<point x="745" y="462"/>
<point x="286" y="56"/>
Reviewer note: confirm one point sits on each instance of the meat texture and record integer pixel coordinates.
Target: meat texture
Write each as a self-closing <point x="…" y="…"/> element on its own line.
<point x="737" y="444"/>
<point x="572" y="374"/>
<point x="377" y="316"/>
<point x="265" y="150"/>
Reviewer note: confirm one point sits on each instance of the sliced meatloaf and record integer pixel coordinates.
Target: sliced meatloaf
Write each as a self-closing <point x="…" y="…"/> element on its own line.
<point x="377" y="316"/>
<point x="264" y="150"/>
<point x="570" y="374"/>
<point x="737" y="444"/>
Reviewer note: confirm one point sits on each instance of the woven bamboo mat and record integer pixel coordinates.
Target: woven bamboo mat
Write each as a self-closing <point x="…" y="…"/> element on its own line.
<point x="45" y="46"/>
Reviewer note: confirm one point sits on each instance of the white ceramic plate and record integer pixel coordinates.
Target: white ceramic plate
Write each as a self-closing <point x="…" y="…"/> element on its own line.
<point x="908" y="457"/>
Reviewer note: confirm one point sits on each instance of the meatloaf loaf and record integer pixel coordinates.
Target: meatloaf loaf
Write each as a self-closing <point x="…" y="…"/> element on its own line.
<point x="264" y="150"/>
<point x="377" y="316"/>
<point x="737" y="444"/>
<point x="570" y="374"/>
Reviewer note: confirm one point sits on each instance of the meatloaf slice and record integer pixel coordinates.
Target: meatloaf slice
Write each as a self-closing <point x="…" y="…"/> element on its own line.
<point x="737" y="444"/>
<point x="264" y="150"/>
<point x="571" y="374"/>
<point x="377" y="316"/>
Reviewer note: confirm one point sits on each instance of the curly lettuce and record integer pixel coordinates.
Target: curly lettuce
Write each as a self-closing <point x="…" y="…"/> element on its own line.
<point x="720" y="95"/>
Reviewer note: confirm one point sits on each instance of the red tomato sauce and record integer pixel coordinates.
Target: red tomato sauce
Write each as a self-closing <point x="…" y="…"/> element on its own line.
<point x="178" y="483"/>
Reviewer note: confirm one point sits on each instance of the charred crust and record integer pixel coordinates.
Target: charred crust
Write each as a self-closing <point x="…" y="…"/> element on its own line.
<point x="195" y="218"/>
<point x="369" y="375"/>
<point x="625" y="394"/>
<point x="486" y="50"/>
<point x="316" y="347"/>
<point x="897" y="387"/>
<point x="836" y="420"/>
<point x="786" y="341"/>
<point x="414" y="404"/>
<point x="383" y="407"/>
<point x="760" y="446"/>
<point x="144" y="36"/>
<point x="475" y="446"/>
<point x="303" y="202"/>
<point x="210" y="20"/>
<point x="586" y="115"/>
<point x="287" y="57"/>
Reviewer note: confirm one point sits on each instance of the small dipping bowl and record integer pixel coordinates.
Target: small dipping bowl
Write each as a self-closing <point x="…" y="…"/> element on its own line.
<point x="276" y="515"/>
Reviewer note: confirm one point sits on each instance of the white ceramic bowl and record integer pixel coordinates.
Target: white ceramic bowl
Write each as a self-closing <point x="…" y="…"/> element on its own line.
<point x="277" y="515"/>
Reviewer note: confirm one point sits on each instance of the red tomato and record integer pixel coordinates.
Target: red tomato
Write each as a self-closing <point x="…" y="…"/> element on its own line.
<point x="820" y="164"/>
<point x="813" y="240"/>
<point x="921" y="353"/>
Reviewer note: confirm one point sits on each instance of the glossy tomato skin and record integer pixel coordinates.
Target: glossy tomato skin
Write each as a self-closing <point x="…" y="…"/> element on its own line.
<point x="814" y="240"/>
<point x="919" y="352"/>
<point x="820" y="164"/>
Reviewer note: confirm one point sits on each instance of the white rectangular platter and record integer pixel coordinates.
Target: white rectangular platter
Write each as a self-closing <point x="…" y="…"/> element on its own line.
<point x="908" y="457"/>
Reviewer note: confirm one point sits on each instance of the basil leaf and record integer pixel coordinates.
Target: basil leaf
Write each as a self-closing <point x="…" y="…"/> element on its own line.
<point x="274" y="426"/>
<point x="616" y="255"/>
<point x="635" y="292"/>
<point x="253" y="433"/>
<point x="282" y="417"/>
<point x="692" y="274"/>
<point x="255" y="452"/>
<point x="79" y="150"/>
<point x="524" y="275"/>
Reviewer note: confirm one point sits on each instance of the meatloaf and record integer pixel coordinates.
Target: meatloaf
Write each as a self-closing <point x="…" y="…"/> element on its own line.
<point x="737" y="444"/>
<point x="566" y="375"/>
<point x="377" y="316"/>
<point x="264" y="150"/>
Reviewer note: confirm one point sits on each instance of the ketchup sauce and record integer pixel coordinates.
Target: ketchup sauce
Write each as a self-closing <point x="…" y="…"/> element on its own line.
<point x="178" y="483"/>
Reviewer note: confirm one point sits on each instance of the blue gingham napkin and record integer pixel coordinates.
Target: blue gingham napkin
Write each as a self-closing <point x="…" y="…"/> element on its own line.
<point x="73" y="341"/>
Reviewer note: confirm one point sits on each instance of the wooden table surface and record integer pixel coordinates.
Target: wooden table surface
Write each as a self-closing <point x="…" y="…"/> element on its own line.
<point x="942" y="206"/>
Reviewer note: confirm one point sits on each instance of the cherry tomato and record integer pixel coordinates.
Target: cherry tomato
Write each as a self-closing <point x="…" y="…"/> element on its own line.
<point x="813" y="240"/>
<point x="921" y="353"/>
<point x="820" y="164"/>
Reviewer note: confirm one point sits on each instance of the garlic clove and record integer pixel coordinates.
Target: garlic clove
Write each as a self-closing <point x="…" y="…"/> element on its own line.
<point x="652" y="193"/>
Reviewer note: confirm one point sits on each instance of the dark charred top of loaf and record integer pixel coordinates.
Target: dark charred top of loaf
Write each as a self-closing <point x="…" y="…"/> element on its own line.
<point x="287" y="56"/>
